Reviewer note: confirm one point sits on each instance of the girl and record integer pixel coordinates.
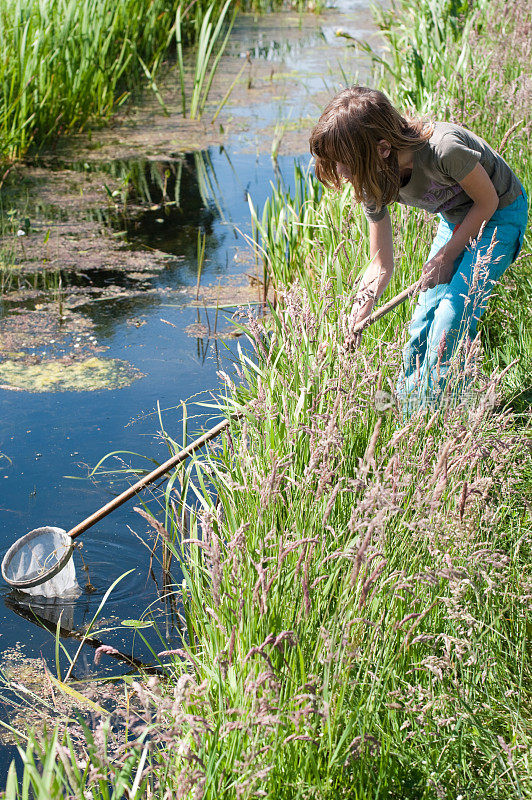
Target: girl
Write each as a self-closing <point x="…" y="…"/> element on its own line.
<point x="447" y="170"/>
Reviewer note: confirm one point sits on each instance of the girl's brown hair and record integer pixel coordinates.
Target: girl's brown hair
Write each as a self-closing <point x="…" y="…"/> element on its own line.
<point x="348" y="132"/>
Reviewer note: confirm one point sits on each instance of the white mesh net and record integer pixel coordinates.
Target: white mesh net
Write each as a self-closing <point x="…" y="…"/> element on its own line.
<point x="36" y="555"/>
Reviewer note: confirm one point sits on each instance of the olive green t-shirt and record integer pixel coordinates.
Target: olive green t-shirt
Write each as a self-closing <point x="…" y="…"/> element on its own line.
<point x="444" y="160"/>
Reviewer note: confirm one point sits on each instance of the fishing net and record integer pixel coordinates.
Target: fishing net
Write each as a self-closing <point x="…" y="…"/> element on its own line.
<point x="40" y="564"/>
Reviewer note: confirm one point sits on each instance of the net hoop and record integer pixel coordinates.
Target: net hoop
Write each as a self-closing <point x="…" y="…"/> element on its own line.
<point x="44" y="573"/>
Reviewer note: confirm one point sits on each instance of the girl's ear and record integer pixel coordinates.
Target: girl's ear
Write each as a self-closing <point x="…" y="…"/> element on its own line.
<point x="384" y="148"/>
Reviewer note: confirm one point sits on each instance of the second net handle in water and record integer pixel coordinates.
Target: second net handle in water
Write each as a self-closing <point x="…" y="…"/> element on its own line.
<point x="210" y="434"/>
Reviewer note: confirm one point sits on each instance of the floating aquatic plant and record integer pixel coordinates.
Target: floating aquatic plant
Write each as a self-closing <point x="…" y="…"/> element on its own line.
<point x="87" y="375"/>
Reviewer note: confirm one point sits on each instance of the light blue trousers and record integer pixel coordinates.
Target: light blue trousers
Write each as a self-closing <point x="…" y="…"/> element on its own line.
<point x="450" y="311"/>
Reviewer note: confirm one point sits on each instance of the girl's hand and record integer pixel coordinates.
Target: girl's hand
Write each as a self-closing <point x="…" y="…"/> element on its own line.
<point x="362" y="308"/>
<point x="437" y="270"/>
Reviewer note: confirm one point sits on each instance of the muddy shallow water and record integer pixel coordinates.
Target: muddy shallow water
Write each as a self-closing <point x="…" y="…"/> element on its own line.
<point x="101" y="246"/>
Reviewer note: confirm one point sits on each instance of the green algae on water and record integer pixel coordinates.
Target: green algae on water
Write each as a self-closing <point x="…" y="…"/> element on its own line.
<point x="86" y="375"/>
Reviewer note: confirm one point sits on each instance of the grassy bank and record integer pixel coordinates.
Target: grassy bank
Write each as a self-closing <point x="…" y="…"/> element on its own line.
<point x="355" y="591"/>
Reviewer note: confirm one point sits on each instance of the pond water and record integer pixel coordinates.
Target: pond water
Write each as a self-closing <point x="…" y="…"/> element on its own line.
<point x="113" y="219"/>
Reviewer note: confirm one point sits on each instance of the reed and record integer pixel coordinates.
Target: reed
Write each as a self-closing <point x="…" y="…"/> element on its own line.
<point x="418" y="39"/>
<point x="206" y="59"/>
<point x="63" y="62"/>
<point x="200" y="258"/>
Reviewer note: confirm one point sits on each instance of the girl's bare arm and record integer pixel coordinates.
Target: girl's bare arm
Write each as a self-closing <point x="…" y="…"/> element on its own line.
<point x="481" y="190"/>
<point x="378" y="274"/>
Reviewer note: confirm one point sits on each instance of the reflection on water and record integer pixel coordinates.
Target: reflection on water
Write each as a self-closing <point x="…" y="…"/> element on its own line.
<point x="58" y="617"/>
<point x="182" y="198"/>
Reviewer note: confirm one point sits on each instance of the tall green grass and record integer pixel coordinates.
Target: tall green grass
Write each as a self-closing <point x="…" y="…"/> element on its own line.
<point x="206" y="59"/>
<point x="355" y="586"/>
<point x="64" y="61"/>
<point x="353" y="599"/>
<point x="417" y="39"/>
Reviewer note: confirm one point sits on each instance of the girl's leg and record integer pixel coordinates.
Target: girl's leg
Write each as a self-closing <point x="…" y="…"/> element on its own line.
<point x="463" y="301"/>
<point x="419" y="327"/>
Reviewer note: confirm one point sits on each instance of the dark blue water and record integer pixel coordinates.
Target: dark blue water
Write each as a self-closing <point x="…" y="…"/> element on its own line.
<point x="50" y="441"/>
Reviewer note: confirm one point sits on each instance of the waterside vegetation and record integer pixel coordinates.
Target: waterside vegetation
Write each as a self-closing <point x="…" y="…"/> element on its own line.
<point x="354" y="584"/>
<point x="64" y="63"/>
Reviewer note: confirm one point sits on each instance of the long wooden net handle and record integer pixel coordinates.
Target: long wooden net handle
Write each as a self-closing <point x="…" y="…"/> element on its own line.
<point x="389" y="306"/>
<point x="210" y="434"/>
<point x="147" y="479"/>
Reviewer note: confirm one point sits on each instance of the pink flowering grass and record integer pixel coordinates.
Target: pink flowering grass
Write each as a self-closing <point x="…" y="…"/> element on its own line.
<point x="354" y="596"/>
